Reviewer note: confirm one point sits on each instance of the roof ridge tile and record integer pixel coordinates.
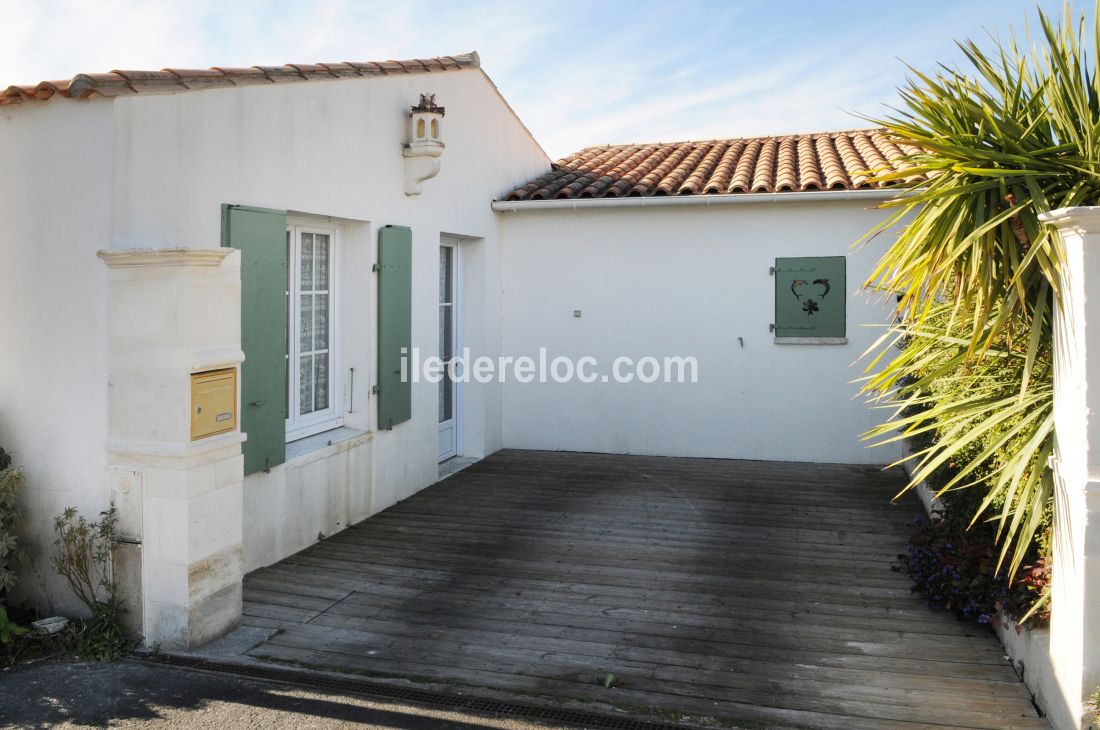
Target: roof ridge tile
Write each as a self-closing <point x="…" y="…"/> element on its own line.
<point x="121" y="82"/>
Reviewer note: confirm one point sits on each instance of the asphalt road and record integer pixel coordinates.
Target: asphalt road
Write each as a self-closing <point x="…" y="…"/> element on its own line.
<point x="131" y="693"/>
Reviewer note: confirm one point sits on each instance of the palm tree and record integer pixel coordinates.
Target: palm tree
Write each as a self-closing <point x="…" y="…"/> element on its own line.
<point x="1014" y="133"/>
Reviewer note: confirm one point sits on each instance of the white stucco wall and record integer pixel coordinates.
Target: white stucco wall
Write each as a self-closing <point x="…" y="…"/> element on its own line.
<point x="152" y="171"/>
<point x="332" y="150"/>
<point x="686" y="280"/>
<point x="55" y="203"/>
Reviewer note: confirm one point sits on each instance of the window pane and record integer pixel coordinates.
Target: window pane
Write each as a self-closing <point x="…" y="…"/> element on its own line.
<point x="322" y="250"/>
<point x="320" y="322"/>
<point x="305" y="322"/>
<point x="310" y="338"/>
<point x="305" y="259"/>
<point x="305" y="384"/>
<point x="320" y="389"/>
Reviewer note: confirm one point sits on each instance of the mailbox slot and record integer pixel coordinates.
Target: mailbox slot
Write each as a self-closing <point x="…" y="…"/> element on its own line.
<point x="213" y="403"/>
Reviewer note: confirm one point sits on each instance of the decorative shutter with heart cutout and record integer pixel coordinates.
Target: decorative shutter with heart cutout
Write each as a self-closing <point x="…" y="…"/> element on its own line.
<point x="810" y="297"/>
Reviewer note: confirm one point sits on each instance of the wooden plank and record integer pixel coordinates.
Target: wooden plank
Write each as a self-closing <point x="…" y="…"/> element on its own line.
<point x="746" y="674"/>
<point x="297" y="579"/>
<point x="541" y="690"/>
<point x="579" y="671"/>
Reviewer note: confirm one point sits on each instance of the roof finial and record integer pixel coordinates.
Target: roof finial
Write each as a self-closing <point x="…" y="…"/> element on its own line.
<point x="427" y="104"/>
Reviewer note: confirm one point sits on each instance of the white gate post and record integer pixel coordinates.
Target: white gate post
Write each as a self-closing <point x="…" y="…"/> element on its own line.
<point x="1075" y="608"/>
<point x="175" y="474"/>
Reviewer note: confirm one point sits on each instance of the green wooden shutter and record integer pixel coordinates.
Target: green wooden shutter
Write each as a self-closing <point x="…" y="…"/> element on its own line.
<point x="260" y="234"/>
<point x="810" y="297"/>
<point x="394" y="324"/>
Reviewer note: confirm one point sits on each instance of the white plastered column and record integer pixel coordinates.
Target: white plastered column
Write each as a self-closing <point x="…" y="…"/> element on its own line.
<point x="174" y="312"/>
<point x="1075" y="607"/>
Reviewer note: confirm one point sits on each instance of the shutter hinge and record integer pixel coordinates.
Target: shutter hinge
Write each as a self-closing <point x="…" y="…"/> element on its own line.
<point x="376" y="267"/>
<point x="771" y="270"/>
<point x="771" y="327"/>
<point x="375" y="390"/>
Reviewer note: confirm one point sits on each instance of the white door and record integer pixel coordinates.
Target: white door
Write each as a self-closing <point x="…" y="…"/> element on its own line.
<point x="448" y="345"/>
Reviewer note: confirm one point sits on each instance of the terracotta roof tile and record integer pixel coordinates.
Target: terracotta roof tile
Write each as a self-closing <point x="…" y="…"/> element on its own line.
<point x="339" y="70"/>
<point x="786" y="174"/>
<point x="790" y="163"/>
<point x="746" y="163"/>
<point x="723" y="171"/>
<point x="118" y="83"/>
<point x="699" y="176"/>
<point x="831" y="166"/>
<point x="763" y="173"/>
<point x="200" y="78"/>
<point x="809" y="169"/>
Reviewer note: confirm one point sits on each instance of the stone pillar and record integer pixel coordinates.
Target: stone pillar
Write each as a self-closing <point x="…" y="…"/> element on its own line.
<point x="1075" y="607"/>
<point x="174" y="313"/>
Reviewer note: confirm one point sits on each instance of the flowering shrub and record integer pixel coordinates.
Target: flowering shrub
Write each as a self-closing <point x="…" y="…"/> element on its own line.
<point x="955" y="568"/>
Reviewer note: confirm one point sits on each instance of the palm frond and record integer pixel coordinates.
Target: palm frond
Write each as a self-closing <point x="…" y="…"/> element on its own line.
<point x="976" y="274"/>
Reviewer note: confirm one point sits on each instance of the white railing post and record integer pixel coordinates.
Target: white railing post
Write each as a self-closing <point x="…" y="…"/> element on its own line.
<point x="1075" y="608"/>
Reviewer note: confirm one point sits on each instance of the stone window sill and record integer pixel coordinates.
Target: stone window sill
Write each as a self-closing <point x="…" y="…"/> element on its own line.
<point x="811" y="340"/>
<point x="310" y="445"/>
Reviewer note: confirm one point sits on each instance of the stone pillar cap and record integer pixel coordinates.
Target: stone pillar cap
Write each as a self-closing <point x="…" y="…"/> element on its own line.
<point x="1082" y="215"/>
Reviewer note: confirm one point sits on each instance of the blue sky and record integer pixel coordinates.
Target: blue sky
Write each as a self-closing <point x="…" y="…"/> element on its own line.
<point x="577" y="73"/>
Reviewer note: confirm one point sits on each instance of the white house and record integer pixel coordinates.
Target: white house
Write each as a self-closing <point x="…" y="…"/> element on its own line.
<point x="213" y="278"/>
<point x="154" y="171"/>
<point x="217" y="281"/>
<point x="695" y="249"/>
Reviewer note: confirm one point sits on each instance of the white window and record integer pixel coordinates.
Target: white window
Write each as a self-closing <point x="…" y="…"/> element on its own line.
<point x="311" y="340"/>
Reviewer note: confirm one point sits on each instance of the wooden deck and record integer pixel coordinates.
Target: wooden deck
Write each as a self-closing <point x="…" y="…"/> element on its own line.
<point x="739" y="591"/>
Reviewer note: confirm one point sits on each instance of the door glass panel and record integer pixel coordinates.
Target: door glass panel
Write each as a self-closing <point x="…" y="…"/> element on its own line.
<point x="446" y="274"/>
<point x="446" y="329"/>
<point x="446" y="398"/>
<point x="447" y="324"/>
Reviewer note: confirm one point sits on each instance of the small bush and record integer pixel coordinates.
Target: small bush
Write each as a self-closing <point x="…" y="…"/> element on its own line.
<point x="84" y="552"/>
<point x="955" y="567"/>
<point x="9" y="630"/>
<point x="11" y="479"/>
<point x="955" y="563"/>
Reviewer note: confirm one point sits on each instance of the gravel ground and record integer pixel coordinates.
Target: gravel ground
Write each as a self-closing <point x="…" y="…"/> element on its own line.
<point x="131" y="693"/>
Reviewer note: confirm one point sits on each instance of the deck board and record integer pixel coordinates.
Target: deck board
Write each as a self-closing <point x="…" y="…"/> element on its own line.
<point x="753" y="592"/>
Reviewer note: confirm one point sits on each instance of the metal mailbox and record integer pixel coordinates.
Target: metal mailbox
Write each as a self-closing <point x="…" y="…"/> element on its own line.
<point x="213" y="403"/>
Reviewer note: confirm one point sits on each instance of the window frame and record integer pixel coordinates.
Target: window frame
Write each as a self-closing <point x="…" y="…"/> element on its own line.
<point x="298" y="426"/>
